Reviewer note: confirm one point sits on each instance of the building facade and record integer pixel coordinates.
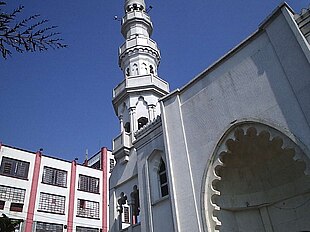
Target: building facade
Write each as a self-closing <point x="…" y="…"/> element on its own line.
<point x="50" y="194"/>
<point x="227" y="152"/>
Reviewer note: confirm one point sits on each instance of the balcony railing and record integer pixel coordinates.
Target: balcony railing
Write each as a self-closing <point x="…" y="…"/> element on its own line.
<point x="138" y="41"/>
<point x="142" y="80"/>
<point x="136" y="14"/>
<point x="121" y="141"/>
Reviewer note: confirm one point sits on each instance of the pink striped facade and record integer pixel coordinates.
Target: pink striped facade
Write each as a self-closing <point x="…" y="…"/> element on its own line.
<point x="68" y="207"/>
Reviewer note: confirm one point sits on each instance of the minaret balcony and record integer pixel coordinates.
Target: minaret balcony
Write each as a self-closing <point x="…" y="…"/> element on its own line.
<point x="138" y="42"/>
<point x="139" y="83"/>
<point x="136" y="15"/>
<point x="121" y="146"/>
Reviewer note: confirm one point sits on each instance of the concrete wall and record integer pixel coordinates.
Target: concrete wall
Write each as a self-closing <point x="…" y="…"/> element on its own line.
<point x="157" y="213"/>
<point x="266" y="79"/>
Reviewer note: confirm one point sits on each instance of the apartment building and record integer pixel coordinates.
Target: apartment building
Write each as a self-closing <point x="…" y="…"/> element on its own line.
<point x="51" y="194"/>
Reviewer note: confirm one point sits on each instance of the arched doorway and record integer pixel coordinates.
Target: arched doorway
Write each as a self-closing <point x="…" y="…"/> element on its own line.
<point x="257" y="183"/>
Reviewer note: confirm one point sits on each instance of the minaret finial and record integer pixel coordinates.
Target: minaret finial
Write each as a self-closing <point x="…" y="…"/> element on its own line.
<point x="134" y="4"/>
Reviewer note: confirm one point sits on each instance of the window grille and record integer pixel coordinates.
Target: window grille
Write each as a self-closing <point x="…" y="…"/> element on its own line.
<point x="15" y="195"/>
<point x="89" y="184"/>
<point x="52" y="203"/>
<point x="89" y="209"/>
<point x="14" y="168"/>
<point x="126" y="214"/>
<point x="54" y="176"/>
<point x="86" y="229"/>
<point x="163" y="179"/>
<point x="17" y="207"/>
<point x="112" y="164"/>
<point x="43" y="227"/>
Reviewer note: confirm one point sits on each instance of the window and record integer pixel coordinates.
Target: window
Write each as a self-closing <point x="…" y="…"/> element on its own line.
<point x="43" y="227"/>
<point x="112" y="164"/>
<point x="2" y="203"/>
<point x="14" y="168"/>
<point x="17" y="207"/>
<point x="16" y="195"/>
<point x="142" y="122"/>
<point x="127" y="127"/>
<point x="162" y="174"/>
<point x="151" y="69"/>
<point x="51" y="203"/>
<point x="89" y="184"/>
<point x="126" y="214"/>
<point x="158" y="178"/>
<point x="89" y="209"/>
<point x="135" y="205"/>
<point x="54" y="177"/>
<point x="86" y="229"/>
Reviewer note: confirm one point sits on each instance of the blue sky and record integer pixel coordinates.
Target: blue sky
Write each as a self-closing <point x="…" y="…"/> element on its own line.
<point x="61" y="100"/>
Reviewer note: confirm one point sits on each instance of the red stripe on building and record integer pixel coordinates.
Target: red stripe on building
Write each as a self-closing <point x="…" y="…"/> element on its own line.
<point x="104" y="157"/>
<point x="71" y="197"/>
<point x="33" y="192"/>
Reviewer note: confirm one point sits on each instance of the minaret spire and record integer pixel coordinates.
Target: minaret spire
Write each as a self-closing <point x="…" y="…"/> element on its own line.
<point x="139" y="54"/>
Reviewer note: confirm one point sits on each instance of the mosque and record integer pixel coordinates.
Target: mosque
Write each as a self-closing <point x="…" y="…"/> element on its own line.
<point x="229" y="151"/>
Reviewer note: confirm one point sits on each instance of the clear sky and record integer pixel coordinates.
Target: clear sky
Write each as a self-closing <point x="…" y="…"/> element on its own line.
<point x="61" y="100"/>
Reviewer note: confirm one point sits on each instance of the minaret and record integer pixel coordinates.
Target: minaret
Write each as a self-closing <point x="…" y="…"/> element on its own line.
<point x="135" y="99"/>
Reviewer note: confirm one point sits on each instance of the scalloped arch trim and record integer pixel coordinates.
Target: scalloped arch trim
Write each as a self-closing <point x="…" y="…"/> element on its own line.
<point x="253" y="166"/>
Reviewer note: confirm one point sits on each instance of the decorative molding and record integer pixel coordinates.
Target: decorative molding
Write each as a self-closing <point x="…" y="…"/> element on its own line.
<point x="249" y="139"/>
<point x="148" y="127"/>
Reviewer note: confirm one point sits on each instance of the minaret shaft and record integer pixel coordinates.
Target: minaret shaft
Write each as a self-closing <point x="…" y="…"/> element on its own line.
<point x="135" y="99"/>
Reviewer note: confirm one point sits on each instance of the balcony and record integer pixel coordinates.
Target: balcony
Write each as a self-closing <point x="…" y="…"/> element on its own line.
<point x="136" y="15"/>
<point x="142" y="81"/>
<point x="121" y="146"/>
<point x="139" y="41"/>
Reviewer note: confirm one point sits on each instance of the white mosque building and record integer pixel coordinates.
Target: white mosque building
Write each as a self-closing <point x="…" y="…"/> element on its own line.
<point x="227" y="152"/>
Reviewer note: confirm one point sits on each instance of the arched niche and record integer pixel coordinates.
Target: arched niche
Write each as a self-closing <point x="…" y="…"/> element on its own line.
<point x="134" y="70"/>
<point x="257" y="180"/>
<point x="127" y="127"/>
<point x="142" y="111"/>
<point x="155" y="162"/>
<point x="142" y="121"/>
<point x="144" y="69"/>
<point x="124" y="112"/>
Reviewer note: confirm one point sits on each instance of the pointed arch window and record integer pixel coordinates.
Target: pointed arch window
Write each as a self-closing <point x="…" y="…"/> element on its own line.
<point x="163" y="181"/>
<point x="135" y="70"/>
<point x="127" y="72"/>
<point x="151" y="69"/>
<point x="158" y="177"/>
<point x="127" y="127"/>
